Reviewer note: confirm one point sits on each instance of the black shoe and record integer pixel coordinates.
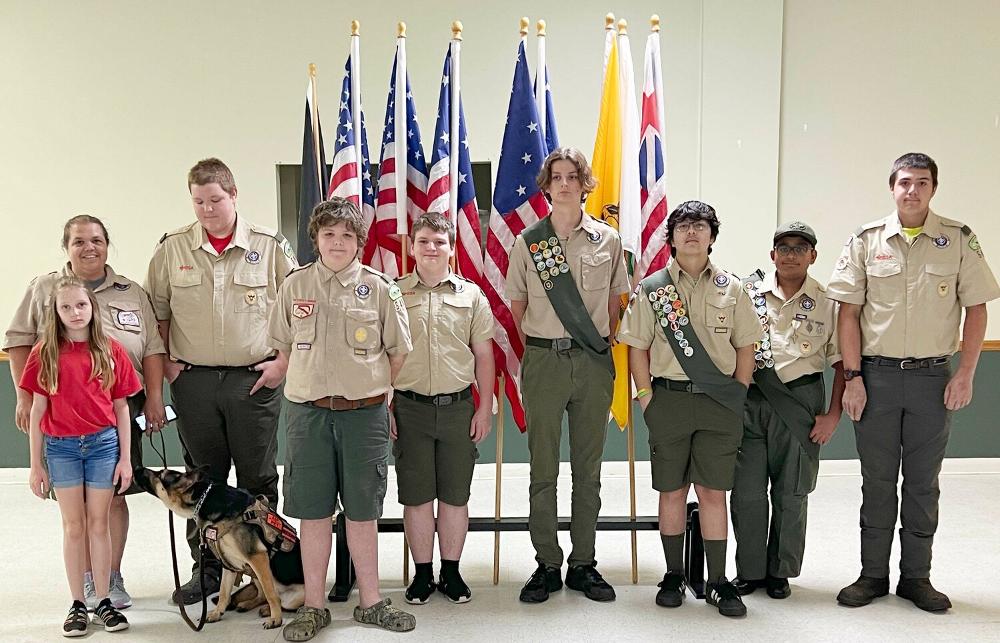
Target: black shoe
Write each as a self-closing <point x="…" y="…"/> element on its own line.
<point x="672" y="589"/>
<point x="190" y="592"/>
<point x="777" y="587"/>
<point x="420" y="590"/>
<point x="586" y="579"/>
<point x="863" y="591"/>
<point x="543" y="581"/>
<point x="923" y="594"/>
<point x="745" y="586"/>
<point x="77" y="620"/>
<point x="109" y="617"/>
<point x="454" y="587"/>
<point x="724" y="596"/>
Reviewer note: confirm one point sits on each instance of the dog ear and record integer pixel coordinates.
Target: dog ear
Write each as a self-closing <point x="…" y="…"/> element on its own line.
<point x="200" y="472"/>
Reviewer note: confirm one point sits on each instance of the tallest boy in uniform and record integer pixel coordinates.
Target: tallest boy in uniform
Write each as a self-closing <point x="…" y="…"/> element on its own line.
<point x="211" y="284"/>
<point x="902" y="282"/>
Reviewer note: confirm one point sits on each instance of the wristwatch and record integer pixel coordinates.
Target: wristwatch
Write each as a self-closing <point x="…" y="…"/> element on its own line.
<point x="850" y="375"/>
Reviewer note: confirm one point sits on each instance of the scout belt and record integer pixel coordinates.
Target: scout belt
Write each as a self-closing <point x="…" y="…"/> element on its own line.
<point x="671" y="316"/>
<point x="553" y="271"/>
<point x="446" y="399"/>
<point x="278" y="533"/>
<point x="908" y="363"/>
<point x="343" y="404"/>
<point x="795" y="414"/>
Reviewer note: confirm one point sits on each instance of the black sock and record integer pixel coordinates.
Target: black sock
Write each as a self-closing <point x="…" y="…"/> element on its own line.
<point x="715" y="553"/>
<point x="673" y="551"/>
<point x="424" y="571"/>
<point x="449" y="569"/>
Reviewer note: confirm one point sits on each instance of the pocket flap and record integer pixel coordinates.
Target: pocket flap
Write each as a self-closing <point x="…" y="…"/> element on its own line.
<point x="361" y="315"/>
<point x="252" y="278"/>
<point x="185" y="278"/>
<point x="942" y="269"/>
<point x="596" y="259"/>
<point x="884" y="269"/>
<point x="456" y="301"/>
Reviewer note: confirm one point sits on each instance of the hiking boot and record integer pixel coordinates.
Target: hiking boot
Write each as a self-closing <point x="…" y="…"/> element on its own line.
<point x="89" y="591"/>
<point x="385" y="616"/>
<point x="107" y="615"/>
<point x="190" y="592"/>
<point x="724" y="596"/>
<point x="119" y="597"/>
<point x="307" y="623"/>
<point x="543" y="581"/>
<point x="777" y="587"/>
<point x="77" y="621"/>
<point x="863" y="591"/>
<point x="745" y="586"/>
<point x="586" y="579"/>
<point x="672" y="589"/>
<point x="420" y="590"/>
<point x="923" y="594"/>
<point x="454" y="587"/>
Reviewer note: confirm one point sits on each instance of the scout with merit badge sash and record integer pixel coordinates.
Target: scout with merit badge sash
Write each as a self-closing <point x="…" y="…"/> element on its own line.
<point x="792" y="411"/>
<point x="554" y="273"/>
<point x="671" y="315"/>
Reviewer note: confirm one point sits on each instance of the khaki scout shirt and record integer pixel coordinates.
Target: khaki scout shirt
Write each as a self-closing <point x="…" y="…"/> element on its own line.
<point x="338" y="329"/>
<point x="912" y="295"/>
<point x="445" y="320"/>
<point x="217" y="304"/>
<point x="803" y="329"/>
<point x="597" y="263"/>
<point x="125" y="311"/>
<point x="721" y="315"/>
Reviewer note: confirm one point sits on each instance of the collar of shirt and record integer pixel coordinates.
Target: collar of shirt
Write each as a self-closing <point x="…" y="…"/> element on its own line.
<point x="810" y="287"/>
<point x="348" y="277"/>
<point x="110" y="276"/>
<point x="241" y="237"/>
<point x="675" y="272"/>
<point x="931" y="227"/>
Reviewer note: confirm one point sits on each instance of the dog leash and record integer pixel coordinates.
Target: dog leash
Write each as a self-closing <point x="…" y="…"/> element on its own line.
<point x="173" y="552"/>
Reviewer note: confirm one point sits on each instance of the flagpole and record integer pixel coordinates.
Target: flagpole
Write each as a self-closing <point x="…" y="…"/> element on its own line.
<point x="498" y="484"/>
<point x="609" y="33"/>
<point x="314" y="117"/>
<point x="356" y="103"/>
<point x="540" y="79"/>
<point x="654" y="22"/>
<point x="401" y="151"/>
<point x="453" y="142"/>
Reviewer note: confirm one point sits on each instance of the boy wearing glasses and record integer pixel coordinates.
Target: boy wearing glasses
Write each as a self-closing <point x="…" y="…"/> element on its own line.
<point x="784" y="423"/>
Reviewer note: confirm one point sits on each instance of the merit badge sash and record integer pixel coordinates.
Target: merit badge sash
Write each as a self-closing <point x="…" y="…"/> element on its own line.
<point x="553" y="271"/>
<point x="798" y="417"/>
<point x="671" y="315"/>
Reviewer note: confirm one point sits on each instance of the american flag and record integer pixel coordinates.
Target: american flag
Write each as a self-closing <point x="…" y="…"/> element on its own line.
<point x="652" y="177"/>
<point x="347" y="149"/>
<point x="543" y="102"/>
<point x="517" y="203"/>
<point x="384" y="249"/>
<point x="440" y="197"/>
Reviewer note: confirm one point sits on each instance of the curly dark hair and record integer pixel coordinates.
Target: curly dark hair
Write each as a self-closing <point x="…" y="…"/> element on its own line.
<point x="692" y="211"/>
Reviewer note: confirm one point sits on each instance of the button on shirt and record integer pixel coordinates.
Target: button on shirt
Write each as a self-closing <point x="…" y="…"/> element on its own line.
<point x="445" y="320"/>
<point x="912" y="294"/>
<point x="803" y="329"/>
<point x="338" y="329"/>
<point x="217" y="303"/>
<point x="597" y="264"/>
<point x="722" y="317"/>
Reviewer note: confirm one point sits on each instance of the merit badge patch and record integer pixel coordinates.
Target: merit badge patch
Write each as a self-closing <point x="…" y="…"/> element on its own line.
<point x="364" y="290"/>
<point x="807" y="303"/>
<point x="252" y="256"/>
<point x="721" y="280"/>
<point x="302" y="308"/>
<point x="121" y="287"/>
<point x="128" y="318"/>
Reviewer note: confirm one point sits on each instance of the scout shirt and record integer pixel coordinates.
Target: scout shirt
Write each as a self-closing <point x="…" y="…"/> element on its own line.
<point x="217" y="303"/>
<point x="803" y="329"/>
<point x="912" y="294"/>
<point x="721" y="315"/>
<point x="597" y="264"/>
<point x="444" y="323"/>
<point x="125" y="312"/>
<point x="338" y="329"/>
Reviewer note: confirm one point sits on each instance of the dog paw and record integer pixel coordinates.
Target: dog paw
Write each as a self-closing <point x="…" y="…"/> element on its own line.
<point x="272" y="623"/>
<point x="214" y="616"/>
<point x="264" y="611"/>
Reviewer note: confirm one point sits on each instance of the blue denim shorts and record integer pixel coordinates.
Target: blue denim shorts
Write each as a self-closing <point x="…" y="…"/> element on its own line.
<point x="86" y="459"/>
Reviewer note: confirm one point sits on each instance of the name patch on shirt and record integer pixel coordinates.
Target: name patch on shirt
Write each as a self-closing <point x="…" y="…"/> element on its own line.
<point x="128" y="318"/>
<point x="303" y="346"/>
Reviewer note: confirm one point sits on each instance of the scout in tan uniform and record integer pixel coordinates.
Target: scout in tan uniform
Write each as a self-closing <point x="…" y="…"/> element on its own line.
<point x="212" y="283"/>
<point x="784" y="424"/>
<point x="691" y="332"/>
<point x="902" y="283"/>
<point x="565" y="278"/>
<point x="128" y="317"/>
<point x="341" y="332"/>
<point x="437" y="427"/>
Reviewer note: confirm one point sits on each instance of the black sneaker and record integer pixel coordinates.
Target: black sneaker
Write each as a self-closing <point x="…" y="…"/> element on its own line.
<point x="923" y="594"/>
<point x="745" y="586"/>
<point x="454" y="587"/>
<point x="190" y="592"/>
<point x="77" y="620"/>
<point x="586" y="579"/>
<point x="863" y="591"/>
<point x="112" y="619"/>
<point x="672" y="589"/>
<point x="724" y="596"/>
<point x="420" y="590"/>
<point x="543" y="581"/>
<point x="777" y="587"/>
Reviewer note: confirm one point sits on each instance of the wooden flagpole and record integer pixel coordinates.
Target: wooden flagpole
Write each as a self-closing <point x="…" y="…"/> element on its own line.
<point x="498" y="484"/>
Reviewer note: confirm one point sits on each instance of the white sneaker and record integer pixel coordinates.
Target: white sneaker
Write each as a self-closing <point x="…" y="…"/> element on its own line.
<point x="119" y="597"/>
<point x="89" y="591"/>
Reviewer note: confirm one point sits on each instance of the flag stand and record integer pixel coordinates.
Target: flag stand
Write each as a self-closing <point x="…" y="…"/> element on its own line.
<point x="498" y="484"/>
<point x="630" y="427"/>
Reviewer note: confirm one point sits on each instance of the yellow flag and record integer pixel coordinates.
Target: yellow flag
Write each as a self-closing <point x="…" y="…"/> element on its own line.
<point x="603" y="204"/>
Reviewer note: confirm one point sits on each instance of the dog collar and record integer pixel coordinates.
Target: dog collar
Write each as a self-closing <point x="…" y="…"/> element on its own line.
<point x="201" y="501"/>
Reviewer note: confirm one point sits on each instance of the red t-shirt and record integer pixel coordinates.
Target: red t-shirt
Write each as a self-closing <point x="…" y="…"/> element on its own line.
<point x="80" y="406"/>
<point x="220" y="243"/>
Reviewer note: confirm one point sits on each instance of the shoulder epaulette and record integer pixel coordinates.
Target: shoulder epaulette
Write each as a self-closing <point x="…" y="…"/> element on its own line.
<point x="967" y="230"/>
<point x="299" y="269"/>
<point x="403" y="278"/>
<point x="266" y="231"/>
<point x="601" y="221"/>
<point x="871" y="225"/>
<point x="463" y="278"/>
<point x="172" y="233"/>
<point x="386" y="278"/>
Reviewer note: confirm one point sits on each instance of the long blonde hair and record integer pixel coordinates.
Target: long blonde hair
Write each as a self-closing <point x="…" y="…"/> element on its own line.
<point x="54" y="334"/>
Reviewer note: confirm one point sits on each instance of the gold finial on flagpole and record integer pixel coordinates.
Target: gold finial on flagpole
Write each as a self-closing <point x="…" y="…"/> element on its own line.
<point x="541" y="28"/>
<point x="623" y="27"/>
<point x="524" y="25"/>
<point x="401" y="29"/>
<point x="355" y="28"/>
<point x="609" y="21"/>
<point x="312" y="70"/>
<point x="456" y="30"/>
<point x="654" y="21"/>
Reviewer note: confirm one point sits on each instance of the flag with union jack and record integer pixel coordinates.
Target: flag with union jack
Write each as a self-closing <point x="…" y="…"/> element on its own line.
<point x="655" y="252"/>
<point x="518" y="202"/>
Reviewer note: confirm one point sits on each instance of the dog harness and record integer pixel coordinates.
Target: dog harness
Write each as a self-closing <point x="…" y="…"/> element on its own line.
<point x="279" y="535"/>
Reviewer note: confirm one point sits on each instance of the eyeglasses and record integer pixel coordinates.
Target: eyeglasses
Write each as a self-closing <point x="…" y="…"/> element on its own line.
<point x="697" y="226"/>
<point x="784" y="250"/>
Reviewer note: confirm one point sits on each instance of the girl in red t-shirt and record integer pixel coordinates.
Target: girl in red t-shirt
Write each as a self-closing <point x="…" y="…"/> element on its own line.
<point x="79" y="378"/>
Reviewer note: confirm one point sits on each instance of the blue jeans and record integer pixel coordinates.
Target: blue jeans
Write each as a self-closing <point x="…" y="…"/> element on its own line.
<point x="86" y="459"/>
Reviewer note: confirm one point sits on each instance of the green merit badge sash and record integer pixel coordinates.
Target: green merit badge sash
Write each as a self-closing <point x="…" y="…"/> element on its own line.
<point x="793" y="412"/>
<point x="671" y="314"/>
<point x="553" y="271"/>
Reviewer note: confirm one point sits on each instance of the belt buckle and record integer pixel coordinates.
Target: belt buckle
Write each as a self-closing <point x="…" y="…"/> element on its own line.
<point x="443" y="400"/>
<point x="909" y="364"/>
<point x="562" y="344"/>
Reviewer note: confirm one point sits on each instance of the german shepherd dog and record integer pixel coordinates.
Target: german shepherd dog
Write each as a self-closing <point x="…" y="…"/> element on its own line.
<point x="278" y="580"/>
